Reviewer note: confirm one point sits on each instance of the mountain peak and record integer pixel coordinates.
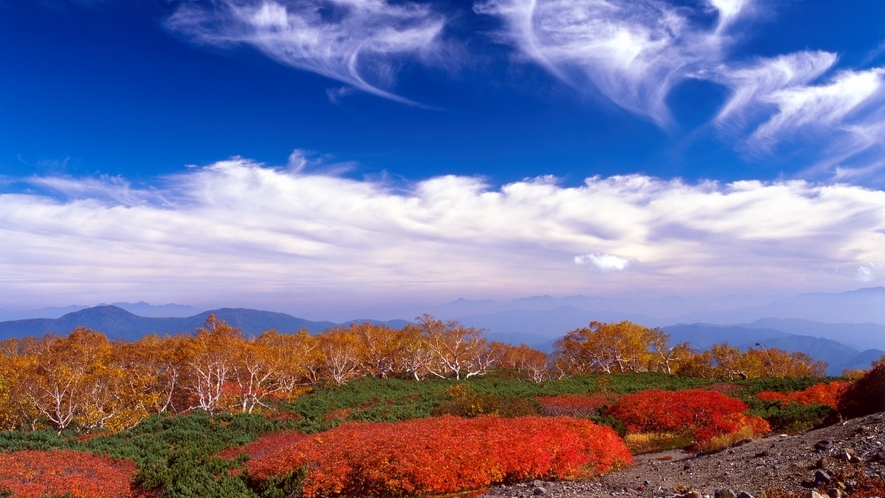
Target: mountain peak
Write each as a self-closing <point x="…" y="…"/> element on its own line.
<point x="106" y="309"/>
<point x="868" y="291"/>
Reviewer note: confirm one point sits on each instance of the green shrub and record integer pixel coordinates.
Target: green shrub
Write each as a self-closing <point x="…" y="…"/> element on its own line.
<point x="175" y="455"/>
<point x="287" y="485"/>
<point x="779" y="384"/>
<point x="464" y="402"/>
<point x="791" y="417"/>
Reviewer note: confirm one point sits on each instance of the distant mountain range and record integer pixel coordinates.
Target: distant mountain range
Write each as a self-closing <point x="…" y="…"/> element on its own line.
<point x="847" y="330"/>
<point x="838" y="355"/>
<point x="857" y="306"/>
<point x="117" y="323"/>
<point x="140" y="308"/>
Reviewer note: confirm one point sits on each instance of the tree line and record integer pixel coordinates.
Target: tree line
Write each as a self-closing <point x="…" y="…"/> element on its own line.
<point x="628" y="347"/>
<point x="85" y="381"/>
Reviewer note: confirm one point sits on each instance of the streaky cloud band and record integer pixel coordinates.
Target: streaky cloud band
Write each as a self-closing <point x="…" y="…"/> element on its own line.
<point x="239" y="227"/>
<point x="356" y="42"/>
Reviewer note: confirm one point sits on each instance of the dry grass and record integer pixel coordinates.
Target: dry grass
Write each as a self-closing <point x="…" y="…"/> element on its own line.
<point x="719" y="443"/>
<point x="652" y="442"/>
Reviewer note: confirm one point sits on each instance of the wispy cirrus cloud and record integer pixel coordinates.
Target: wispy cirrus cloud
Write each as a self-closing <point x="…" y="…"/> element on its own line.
<point x="793" y="100"/>
<point x="633" y="53"/>
<point x="835" y="104"/>
<point x="752" y="85"/>
<point x="357" y="42"/>
<point x="237" y="232"/>
<point x="104" y="188"/>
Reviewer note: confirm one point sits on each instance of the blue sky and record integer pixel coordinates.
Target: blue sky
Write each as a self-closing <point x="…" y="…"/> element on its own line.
<point x="320" y="154"/>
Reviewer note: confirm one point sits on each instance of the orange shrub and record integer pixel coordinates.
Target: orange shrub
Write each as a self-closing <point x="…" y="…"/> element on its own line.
<point x="821" y="394"/>
<point x="443" y="455"/>
<point x="703" y="414"/>
<point x="32" y="473"/>
<point x="572" y="405"/>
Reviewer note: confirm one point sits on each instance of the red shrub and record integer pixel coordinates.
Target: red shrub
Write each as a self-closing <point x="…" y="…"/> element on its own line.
<point x="572" y="405"/>
<point x="780" y="397"/>
<point x="865" y="395"/>
<point x="821" y="394"/>
<point x="704" y="414"/>
<point x="33" y="473"/>
<point x="265" y="445"/>
<point x="444" y="455"/>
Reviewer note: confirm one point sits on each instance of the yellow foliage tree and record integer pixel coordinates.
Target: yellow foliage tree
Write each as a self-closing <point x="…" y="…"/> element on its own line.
<point x="208" y="364"/>
<point x="611" y="347"/>
<point x="449" y="348"/>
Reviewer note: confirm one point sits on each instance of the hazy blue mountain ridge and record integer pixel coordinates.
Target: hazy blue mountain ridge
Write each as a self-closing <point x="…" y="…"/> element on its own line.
<point x="837" y="355"/>
<point x="117" y="323"/>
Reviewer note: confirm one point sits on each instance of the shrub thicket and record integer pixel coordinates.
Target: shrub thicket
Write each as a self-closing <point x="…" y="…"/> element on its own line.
<point x="36" y="473"/>
<point x="464" y="402"/>
<point x="705" y="414"/>
<point x="826" y="394"/>
<point x="442" y="455"/>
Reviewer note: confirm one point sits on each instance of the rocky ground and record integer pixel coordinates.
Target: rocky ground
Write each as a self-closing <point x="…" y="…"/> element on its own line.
<point x="839" y="460"/>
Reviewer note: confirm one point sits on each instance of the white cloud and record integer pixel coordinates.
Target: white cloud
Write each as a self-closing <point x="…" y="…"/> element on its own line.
<point x="825" y="106"/>
<point x="836" y="120"/>
<point x="729" y="10"/>
<point x="870" y="271"/>
<point x="633" y="53"/>
<point x="357" y="42"/>
<point x="112" y="188"/>
<point x="239" y="232"/>
<point x="752" y="85"/>
<point x="602" y="262"/>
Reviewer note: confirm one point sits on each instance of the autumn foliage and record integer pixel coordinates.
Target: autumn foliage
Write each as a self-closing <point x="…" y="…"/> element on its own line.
<point x="85" y="382"/>
<point x="617" y="347"/>
<point x="32" y="474"/>
<point x="865" y="395"/>
<point x="704" y="414"/>
<point x="819" y="394"/>
<point x="266" y="445"/>
<point x="442" y="455"/>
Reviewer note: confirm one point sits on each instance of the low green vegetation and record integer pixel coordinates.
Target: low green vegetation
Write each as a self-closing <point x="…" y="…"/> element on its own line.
<point x="390" y="400"/>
